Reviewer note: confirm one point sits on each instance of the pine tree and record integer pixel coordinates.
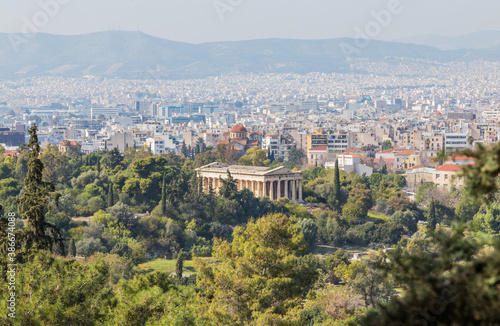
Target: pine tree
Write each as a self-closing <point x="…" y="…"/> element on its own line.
<point x="111" y="199"/>
<point x="179" y="265"/>
<point x="431" y="217"/>
<point x="163" y="204"/>
<point x="72" y="248"/>
<point x="34" y="204"/>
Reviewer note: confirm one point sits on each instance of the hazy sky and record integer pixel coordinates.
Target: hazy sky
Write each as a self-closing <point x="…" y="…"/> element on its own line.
<point x="199" y="21"/>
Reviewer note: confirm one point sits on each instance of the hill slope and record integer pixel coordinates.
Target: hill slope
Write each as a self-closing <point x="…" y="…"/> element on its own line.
<point x="137" y="55"/>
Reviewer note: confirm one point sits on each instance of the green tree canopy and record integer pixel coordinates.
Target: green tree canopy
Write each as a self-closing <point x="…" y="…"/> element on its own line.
<point x="255" y="157"/>
<point x="259" y="276"/>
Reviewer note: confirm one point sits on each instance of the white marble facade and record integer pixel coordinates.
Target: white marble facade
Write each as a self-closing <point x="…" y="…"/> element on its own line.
<point x="262" y="181"/>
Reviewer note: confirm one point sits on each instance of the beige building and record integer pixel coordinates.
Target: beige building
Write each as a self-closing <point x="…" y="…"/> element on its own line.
<point x="448" y="175"/>
<point x="418" y="175"/>
<point x="262" y="181"/>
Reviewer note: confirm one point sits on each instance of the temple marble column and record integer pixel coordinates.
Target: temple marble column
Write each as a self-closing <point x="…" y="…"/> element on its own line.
<point x="300" y="190"/>
<point x="279" y="190"/>
<point x="294" y="190"/>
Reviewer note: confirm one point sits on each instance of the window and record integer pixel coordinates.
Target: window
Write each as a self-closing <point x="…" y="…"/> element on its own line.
<point x="437" y="176"/>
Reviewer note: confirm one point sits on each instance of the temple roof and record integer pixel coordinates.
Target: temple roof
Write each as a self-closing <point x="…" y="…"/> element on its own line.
<point x="244" y="169"/>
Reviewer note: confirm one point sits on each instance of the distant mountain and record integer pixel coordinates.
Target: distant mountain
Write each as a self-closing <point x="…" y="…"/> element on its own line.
<point x="477" y="40"/>
<point x="137" y="55"/>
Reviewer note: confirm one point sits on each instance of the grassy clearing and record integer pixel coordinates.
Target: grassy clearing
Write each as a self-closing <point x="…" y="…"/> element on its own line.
<point x="166" y="265"/>
<point x="374" y="216"/>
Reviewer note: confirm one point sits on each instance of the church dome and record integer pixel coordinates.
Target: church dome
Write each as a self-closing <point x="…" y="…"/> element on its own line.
<point x="238" y="128"/>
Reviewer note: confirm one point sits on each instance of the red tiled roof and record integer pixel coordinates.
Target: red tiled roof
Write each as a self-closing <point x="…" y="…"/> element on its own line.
<point x="450" y="168"/>
<point x="385" y="160"/>
<point x="393" y="150"/>
<point x="461" y="157"/>
<point x="11" y="152"/>
<point x="253" y="142"/>
<point x="406" y="152"/>
<point x="354" y="150"/>
<point x="319" y="148"/>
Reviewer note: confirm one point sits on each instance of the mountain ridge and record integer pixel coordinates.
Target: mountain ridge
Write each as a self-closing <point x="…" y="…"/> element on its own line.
<point x="137" y="55"/>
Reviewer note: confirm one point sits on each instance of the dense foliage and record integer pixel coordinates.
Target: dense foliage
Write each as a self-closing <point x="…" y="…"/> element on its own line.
<point x="256" y="262"/>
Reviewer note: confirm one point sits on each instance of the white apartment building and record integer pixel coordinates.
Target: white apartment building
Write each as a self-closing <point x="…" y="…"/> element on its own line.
<point x="169" y="142"/>
<point x="455" y="141"/>
<point x="350" y="163"/>
<point x="338" y="142"/>
<point x="157" y="145"/>
<point x="272" y="143"/>
<point x="108" y="113"/>
<point x="278" y="145"/>
<point x="491" y="114"/>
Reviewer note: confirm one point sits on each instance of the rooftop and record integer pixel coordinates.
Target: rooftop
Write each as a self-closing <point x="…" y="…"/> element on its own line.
<point x="450" y="168"/>
<point x="319" y="148"/>
<point x="244" y="169"/>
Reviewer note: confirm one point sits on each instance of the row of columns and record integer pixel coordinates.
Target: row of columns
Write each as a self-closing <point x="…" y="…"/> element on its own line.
<point x="275" y="189"/>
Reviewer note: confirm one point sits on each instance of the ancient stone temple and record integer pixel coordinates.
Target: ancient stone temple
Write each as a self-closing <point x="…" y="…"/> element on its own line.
<point x="274" y="183"/>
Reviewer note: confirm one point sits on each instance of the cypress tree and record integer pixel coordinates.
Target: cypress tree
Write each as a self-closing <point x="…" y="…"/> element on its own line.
<point x="337" y="178"/>
<point x="336" y="187"/>
<point x="72" y="248"/>
<point x="179" y="265"/>
<point x="431" y="217"/>
<point x="211" y="190"/>
<point x="111" y="199"/>
<point x="163" y="204"/>
<point x="200" y="185"/>
<point x="34" y="204"/>
<point x="184" y="149"/>
<point x="98" y="166"/>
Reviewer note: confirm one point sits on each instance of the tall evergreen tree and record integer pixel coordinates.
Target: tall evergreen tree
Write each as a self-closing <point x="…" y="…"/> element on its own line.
<point x="34" y="204"/>
<point x="179" y="265"/>
<point x="98" y="166"/>
<point x="72" y="248"/>
<point x="271" y="156"/>
<point x="336" y="179"/>
<point x="336" y="202"/>
<point x="163" y="204"/>
<point x="111" y="199"/>
<point x="200" y="185"/>
<point x="431" y="217"/>
<point x="184" y="149"/>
